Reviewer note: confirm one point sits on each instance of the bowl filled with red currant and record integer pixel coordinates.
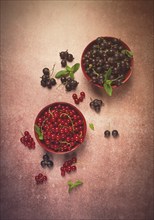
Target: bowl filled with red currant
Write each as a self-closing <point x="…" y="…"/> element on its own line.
<point x="60" y="128"/>
<point x="107" y="63"/>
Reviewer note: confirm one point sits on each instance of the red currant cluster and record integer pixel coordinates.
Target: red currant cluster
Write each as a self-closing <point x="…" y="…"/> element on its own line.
<point x="27" y="140"/>
<point x="40" y="178"/>
<point x="62" y="128"/>
<point x="80" y="99"/>
<point x="67" y="166"/>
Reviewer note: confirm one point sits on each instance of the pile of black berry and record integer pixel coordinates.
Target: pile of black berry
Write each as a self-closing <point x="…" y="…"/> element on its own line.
<point x="46" y="161"/>
<point x="106" y="53"/>
<point x="46" y="81"/>
<point x="65" y="56"/>
<point x="96" y="104"/>
<point x="70" y="84"/>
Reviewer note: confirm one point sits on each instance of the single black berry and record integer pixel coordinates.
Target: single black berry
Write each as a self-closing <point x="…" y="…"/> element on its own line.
<point x="107" y="133"/>
<point x="63" y="79"/>
<point x="43" y="83"/>
<point x="43" y="163"/>
<point x="63" y="63"/>
<point x="46" y="157"/>
<point x="70" y="57"/>
<point x="63" y="54"/>
<point x="48" y="84"/>
<point x="53" y="81"/>
<point x="68" y="87"/>
<point x="115" y="133"/>
<point x="46" y="71"/>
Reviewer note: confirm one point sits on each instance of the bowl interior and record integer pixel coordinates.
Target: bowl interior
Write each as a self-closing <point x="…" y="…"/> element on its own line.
<point x="71" y="107"/>
<point x="89" y="46"/>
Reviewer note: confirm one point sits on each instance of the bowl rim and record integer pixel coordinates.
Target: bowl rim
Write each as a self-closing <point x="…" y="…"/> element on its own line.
<point x="54" y="104"/>
<point x="129" y="73"/>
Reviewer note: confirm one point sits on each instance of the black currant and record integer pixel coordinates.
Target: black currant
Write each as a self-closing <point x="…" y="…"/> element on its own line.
<point x="46" y="157"/>
<point x="107" y="133"/>
<point x="63" y="79"/>
<point x="46" y="71"/>
<point x="115" y="133"/>
<point x="63" y="63"/>
<point x="43" y="83"/>
<point x="43" y="163"/>
<point x="53" y="81"/>
<point x="70" y="57"/>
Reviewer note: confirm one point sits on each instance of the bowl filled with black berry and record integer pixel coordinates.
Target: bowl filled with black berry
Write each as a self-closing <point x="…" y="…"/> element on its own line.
<point x="60" y="128"/>
<point x="107" y="63"/>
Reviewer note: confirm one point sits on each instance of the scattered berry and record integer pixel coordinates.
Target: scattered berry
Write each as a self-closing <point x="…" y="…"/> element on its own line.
<point x="74" y="96"/>
<point x="63" y="63"/>
<point x="96" y="104"/>
<point x="82" y="94"/>
<point x="115" y="133"/>
<point x="67" y="166"/>
<point x="46" y="161"/>
<point x="27" y="140"/>
<point x="80" y="99"/>
<point x="107" y="133"/>
<point x="40" y="178"/>
<point x="46" y="81"/>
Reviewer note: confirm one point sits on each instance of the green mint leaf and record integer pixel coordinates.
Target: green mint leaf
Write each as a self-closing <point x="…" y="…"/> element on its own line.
<point x="68" y="68"/>
<point x="75" y="67"/>
<point x="91" y="126"/>
<point x="38" y="131"/>
<point x="108" y="88"/>
<point x="71" y="74"/>
<point x="107" y="74"/>
<point x="74" y="185"/>
<point x="61" y="73"/>
<point x="128" y="53"/>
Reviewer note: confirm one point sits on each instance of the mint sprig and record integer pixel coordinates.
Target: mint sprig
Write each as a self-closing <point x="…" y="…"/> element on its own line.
<point x="107" y="83"/>
<point x="69" y="71"/>
<point x="73" y="185"/>
<point x="91" y="126"/>
<point x="39" y="132"/>
<point x="127" y="53"/>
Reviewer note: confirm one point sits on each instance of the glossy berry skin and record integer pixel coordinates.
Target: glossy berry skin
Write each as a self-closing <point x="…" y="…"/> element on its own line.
<point x="63" y="63"/>
<point x="82" y="94"/>
<point x="74" y="96"/>
<point x="46" y="157"/>
<point x="73" y="168"/>
<point x="107" y="133"/>
<point x="63" y="54"/>
<point x="81" y="99"/>
<point x="46" y="71"/>
<point x="115" y="133"/>
<point x="53" y="81"/>
<point x="43" y="83"/>
<point x="63" y="79"/>
<point x="76" y="101"/>
<point x="70" y="57"/>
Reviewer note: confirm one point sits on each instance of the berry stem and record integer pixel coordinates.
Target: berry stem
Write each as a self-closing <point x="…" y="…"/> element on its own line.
<point x="52" y="70"/>
<point x="50" y="112"/>
<point x="69" y="118"/>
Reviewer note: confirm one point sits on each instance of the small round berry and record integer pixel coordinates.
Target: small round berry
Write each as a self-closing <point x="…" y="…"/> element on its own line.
<point x="76" y="101"/>
<point x="82" y="94"/>
<point x="40" y="176"/>
<point x="26" y="133"/>
<point x="115" y="133"/>
<point x="46" y="71"/>
<point x="81" y="99"/>
<point x="22" y="140"/>
<point x="74" y="160"/>
<point x="46" y="157"/>
<point x="62" y="173"/>
<point x="107" y="133"/>
<point x="43" y="163"/>
<point x="50" y="163"/>
<point x="73" y="168"/>
<point x="70" y="57"/>
<point x="74" y="96"/>
<point x="45" y="178"/>
<point x="63" y="63"/>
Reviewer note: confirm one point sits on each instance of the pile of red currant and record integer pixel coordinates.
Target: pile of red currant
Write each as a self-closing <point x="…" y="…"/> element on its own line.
<point x="67" y="166"/>
<point x="62" y="127"/>
<point x="77" y="99"/>
<point x="27" y="140"/>
<point x="40" y="178"/>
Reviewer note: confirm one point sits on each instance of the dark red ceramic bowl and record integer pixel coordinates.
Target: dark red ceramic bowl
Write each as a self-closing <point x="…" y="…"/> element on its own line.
<point x="59" y="125"/>
<point x="89" y="46"/>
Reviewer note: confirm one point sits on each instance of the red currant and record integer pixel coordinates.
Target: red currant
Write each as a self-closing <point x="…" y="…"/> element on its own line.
<point x="82" y="94"/>
<point x="73" y="168"/>
<point x="74" y="96"/>
<point x="76" y="101"/>
<point x="81" y="99"/>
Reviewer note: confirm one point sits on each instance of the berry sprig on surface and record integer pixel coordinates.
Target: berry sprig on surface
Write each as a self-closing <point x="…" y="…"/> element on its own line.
<point x="65" y="56"/>
<point x="96" y="104"/>
<point x="40" y="178"/>
<point x="68" y="166"/>
<point x="80" y="99"/>
<point x="47" y="81"/>
<point x="27" y="140"/>
<point x="46" y="161"/>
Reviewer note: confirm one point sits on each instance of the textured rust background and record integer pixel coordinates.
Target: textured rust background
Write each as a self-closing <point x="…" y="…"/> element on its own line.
<point x="117" y="174"/>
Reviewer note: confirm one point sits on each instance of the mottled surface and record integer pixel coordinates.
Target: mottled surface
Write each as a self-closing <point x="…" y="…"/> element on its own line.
<point x="117" y="174"/>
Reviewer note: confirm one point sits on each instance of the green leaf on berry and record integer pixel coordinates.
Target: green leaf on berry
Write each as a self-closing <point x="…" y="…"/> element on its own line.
<point x="74" y="185"/>
<point x="108" y="87"/>
<point x="71" y="74"/>
<point x="75" y="67"/>
<point x="91" y="126"/>
<point x="107" y="74"/>
<point x="128" y="53"/>
<point x="38" y="131"/>
<point x="61" y="73"/>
